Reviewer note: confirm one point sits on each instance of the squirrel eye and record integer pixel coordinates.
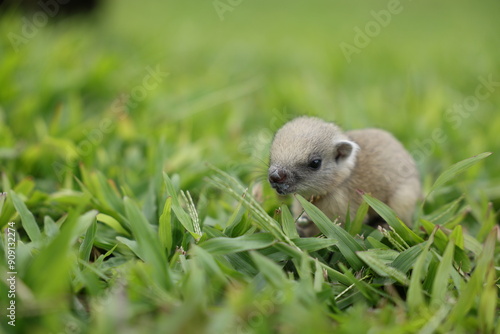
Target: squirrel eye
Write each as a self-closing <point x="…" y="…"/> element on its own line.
<point x="315" y="164"/>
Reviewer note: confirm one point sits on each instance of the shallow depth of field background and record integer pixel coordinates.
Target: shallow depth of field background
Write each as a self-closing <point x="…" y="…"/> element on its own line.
<point x="138" y="88"/>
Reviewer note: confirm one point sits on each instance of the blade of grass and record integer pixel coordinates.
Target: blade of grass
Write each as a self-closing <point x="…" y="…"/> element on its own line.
<point x="165" y="225"/>
<point x="221" y="246"/>
<point x="234" y="221"/>
<point x="454" y="170"/>
<point x="347" y="245"/>
<point x="445" y="212"/>
<point x="475" y="286"/>
<point x="440" y="239"/>
<point x="440" y="283"/>
<point x="370" y="294"/>
<point x="294" y="252"/>
<point x="488" y="221"/>
<point x="88" y="242"/>
<point x="374" y="243"/>
<point x="148" y="243"/>
<point x="113" y="223"/>
<point x="288" y="222"/>
<point x="319" y="277"/>
<point x="27" y="218"/>
<point x="457" y="236"/>
<point x="406" y="259"/>
<point x="381" y="268"/>
<point x="390" y="217"/>
<point x="314" y="244"/>
<point x="357" y="223"/>
<point x="438" y="317"/>
<point x="488" y="302"/>
<point x="49" y="271"/>
<point x="229" y="184"/>
<point x="3" y="196"/>
<point x="193" y="213"/>
<point x="208" y="262"/>
<point x="133" y="246"/>
<point x="271" y="271"/>
<point x="415" y="297"/>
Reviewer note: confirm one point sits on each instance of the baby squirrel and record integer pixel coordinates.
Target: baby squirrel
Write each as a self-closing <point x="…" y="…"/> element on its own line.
<point x="317" y="160"/>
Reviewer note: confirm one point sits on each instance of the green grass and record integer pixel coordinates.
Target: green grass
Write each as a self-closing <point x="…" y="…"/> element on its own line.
<point x="133" y="148"/>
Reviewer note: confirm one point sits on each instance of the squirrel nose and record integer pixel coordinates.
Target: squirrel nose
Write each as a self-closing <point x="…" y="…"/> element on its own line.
<point x="278" y="176"/>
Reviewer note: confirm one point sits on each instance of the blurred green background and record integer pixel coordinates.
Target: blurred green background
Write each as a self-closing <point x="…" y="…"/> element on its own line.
<point x="231" y="73"/>
<point x="134" y="88"/>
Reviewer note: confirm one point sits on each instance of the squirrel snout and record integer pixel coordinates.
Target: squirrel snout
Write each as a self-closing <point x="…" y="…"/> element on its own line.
<point x="277" y="175"/>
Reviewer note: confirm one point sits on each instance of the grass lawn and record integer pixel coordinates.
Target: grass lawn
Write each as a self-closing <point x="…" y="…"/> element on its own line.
<point x="133" y="152"/>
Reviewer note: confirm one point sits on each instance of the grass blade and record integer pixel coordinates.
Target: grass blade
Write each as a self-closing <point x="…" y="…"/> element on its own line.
<point x="230" y="185"/>
<point x="148" y="242"/>
<point x="357" y="223"/>
<point x="458" y="237"/>
<point x="314" y="244"/>
<point x="113" y="223"/>
<point x="407" y="259"/>
<point x="88" y="241"/>
<point x="440" y="284"/>
<point x="390" y="217"/>
<point x="347" y="245"/>
<point x="488" y="302"/>
<point x="27" y="218"/>
<point x="288" y="222"/>
<point x="222" y="246"/>
<point x="270" y="270"/>
<point x="3" y="196"/>
<point x="381" y="268"/>
<point x="475" y="286"/>
<point x="165" y="225"/>
<point x="415" y="297"/>
<point x="456" y="169"/>
<point x="49" y="272"/>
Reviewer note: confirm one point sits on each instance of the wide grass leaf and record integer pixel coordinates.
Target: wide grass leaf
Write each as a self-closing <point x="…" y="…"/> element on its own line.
<point x="232" y="186"/>
<point x="415" y="292"/>
<point x="271" y="271"/>
<point x="368" y="292"/>
<point x="165" y="225"/>
<point x="148" y="242"/>
<point x="206" y="260"/>
<point x="347" y="245"/>
<point x="390" y="217"/>
<point x="357" y="223"/>
<point x="27" y="218"/>
<point x="222" y="246"/>
<point x="288" y="223"/>
<point x="488" y="302"/>
<point x="296" y="253"/>
<point x="381" y="268"/>
<point x="440" y="284"/>
<point x="49" y="271"/>
<point x="237" y="225"/>
<point x="405" y="260"/>
<point x="475" y="286"/>
<point x="451" y="172"/>
<point x="314" y="244"/>
<point x="113" y="223"/>
<point x="457" y="236"/>
<point x="88" y="241"/>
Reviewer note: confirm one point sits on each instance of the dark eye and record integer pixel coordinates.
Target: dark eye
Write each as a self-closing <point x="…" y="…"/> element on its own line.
<point x="315" y="164"/>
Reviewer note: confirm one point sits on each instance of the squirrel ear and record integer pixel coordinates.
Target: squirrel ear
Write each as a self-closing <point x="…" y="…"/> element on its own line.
<point x="345" y="151"/>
